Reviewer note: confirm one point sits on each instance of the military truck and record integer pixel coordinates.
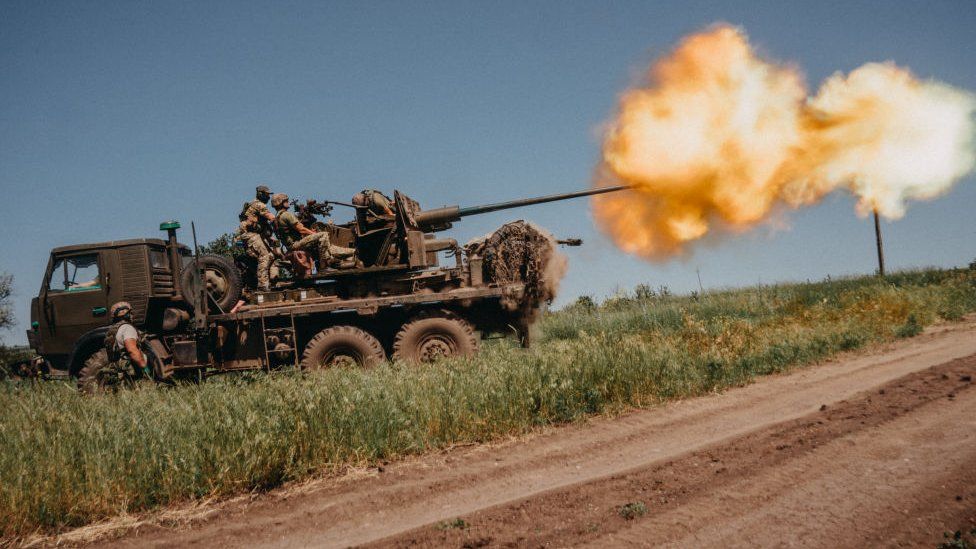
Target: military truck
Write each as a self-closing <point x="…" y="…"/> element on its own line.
<point x="398" y="301"/>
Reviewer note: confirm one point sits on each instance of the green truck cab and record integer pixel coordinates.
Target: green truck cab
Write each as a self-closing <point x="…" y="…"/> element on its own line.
<point x="69" y="316"/>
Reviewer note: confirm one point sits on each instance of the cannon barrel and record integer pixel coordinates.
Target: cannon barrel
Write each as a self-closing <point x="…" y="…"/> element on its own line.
<point x="448" y="214"/>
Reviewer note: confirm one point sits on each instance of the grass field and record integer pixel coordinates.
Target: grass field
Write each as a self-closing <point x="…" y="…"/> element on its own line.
<point x="68" y="460"/>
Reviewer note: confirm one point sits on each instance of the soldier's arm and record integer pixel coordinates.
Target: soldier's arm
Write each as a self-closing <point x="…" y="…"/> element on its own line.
<point x="383" y="202"/>
<point x="263" y="211"/>
<point x="132" y="347"/>
<point x="303" y="230"/>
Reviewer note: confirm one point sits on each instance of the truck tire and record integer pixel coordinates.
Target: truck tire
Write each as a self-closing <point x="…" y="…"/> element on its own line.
<point x="97" y="376"/>
<point x="434" y="335"/>
<point x="342" y="346"/>
<point x="33" y="369"/>
<point x="223" y="280"/>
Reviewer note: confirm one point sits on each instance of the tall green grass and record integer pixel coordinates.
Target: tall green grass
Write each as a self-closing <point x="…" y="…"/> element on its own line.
<point x="68" y="460"/>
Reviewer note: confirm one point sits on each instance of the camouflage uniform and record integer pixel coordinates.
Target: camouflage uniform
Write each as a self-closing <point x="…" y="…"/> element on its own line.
<point x="286" y="224"/>
<point x="250" y="234"/>
<point x="120" y="367"/>
<point x="378" y="203"/>
<point x="375" y="202"/>
<point x="320" y="242"/>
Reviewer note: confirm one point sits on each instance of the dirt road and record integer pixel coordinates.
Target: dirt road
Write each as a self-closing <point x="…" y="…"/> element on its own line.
<point x="876" y="449"/>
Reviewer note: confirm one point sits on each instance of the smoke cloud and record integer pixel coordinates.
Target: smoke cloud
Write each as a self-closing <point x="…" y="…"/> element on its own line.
<point x="719" y="136"/>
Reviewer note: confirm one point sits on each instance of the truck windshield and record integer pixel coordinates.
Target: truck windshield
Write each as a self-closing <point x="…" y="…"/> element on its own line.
<point x="75" y="274"/>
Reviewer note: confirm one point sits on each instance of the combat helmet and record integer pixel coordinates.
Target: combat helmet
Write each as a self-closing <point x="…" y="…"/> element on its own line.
<point x="120" y="309"/>
<point x="278" y="199"/>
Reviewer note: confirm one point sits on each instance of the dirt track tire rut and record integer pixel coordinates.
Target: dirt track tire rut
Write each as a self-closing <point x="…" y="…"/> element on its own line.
<point x="724" y="492"/>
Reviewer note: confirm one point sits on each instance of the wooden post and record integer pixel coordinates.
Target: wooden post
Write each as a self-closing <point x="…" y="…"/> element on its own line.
<point x="877" y="234"/>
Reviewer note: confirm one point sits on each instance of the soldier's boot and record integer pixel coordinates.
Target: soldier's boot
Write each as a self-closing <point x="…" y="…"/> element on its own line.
<point x="344" y="258"/>
<point x="341" y="253"/>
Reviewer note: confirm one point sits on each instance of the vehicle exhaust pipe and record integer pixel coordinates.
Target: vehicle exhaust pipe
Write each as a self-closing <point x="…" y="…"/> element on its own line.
<point x="173" y="250"/>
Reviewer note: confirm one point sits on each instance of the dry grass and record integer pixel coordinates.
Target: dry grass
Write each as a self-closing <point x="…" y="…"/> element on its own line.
<point x="68" y="460"/>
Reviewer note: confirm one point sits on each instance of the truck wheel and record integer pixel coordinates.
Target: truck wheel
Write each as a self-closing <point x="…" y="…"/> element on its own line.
<point x="342" y="346"/>
<point x="222" y="276"/>
<point x="434" y="335"/>
<point x="34" y="368"/>
<point x="98" y="375"/>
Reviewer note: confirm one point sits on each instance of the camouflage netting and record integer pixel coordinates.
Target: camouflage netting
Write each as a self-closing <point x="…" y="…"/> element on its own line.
<point x="522" y="252"/>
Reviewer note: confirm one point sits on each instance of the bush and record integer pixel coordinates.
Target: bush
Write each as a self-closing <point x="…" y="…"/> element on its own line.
<point x="633" y="510"/>
<point x="910" y="328"/>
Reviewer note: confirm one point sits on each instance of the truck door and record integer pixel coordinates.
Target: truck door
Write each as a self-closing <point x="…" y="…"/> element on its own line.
<point x="73" y="302"/>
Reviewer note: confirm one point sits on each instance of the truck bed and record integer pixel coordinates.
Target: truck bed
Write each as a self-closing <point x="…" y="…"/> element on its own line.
<point x="283" y="304"/>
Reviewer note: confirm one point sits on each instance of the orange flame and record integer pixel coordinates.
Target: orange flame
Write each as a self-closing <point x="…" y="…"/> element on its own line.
<point x="719" y="136"/>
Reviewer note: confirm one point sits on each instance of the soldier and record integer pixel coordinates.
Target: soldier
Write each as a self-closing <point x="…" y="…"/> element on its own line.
<point x="255" y="233"/>
<point x="296" y="236"/>
<point x="122" y="342"/>
<point x="375" y="202"/>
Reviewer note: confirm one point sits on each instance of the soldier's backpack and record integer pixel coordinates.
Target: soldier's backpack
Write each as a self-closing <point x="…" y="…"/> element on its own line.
<point x="114" y="353"/>
<point x="245" y="209"/>
<point x="258" y="224"/>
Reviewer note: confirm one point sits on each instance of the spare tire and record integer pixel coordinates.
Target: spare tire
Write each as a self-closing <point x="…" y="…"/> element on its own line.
<point x="223" y="280"/>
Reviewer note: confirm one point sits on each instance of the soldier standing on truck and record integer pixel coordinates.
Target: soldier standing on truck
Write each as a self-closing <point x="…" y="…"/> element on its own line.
<point x="122" y="343"/>
<point x="296" y="236"/>
<point x="257" y="235"/>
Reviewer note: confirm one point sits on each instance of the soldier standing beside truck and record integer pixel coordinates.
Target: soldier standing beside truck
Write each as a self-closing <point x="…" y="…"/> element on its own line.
<point x="122" y="338"/>
<point x="125" y="359"/>
<point x="256" y="233"/>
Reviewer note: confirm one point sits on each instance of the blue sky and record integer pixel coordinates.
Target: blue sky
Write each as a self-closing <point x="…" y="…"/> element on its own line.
<point x="115" y="116"/>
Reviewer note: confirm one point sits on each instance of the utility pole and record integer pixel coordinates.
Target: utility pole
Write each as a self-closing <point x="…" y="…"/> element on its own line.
<point x="877" y="234"/>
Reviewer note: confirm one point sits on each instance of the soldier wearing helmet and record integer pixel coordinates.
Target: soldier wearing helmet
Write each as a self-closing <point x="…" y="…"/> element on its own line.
<point x="122" y="339"/>
<point x="296" y="236"/>
<point x="374" y="202"/>
<point x="256" y="234"/>
<point x="373" y="208"/>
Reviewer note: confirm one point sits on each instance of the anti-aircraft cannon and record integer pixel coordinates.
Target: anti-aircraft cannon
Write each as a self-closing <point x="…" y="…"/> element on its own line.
<point x="406" y="239"/>
<point x="400" y="304"/>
